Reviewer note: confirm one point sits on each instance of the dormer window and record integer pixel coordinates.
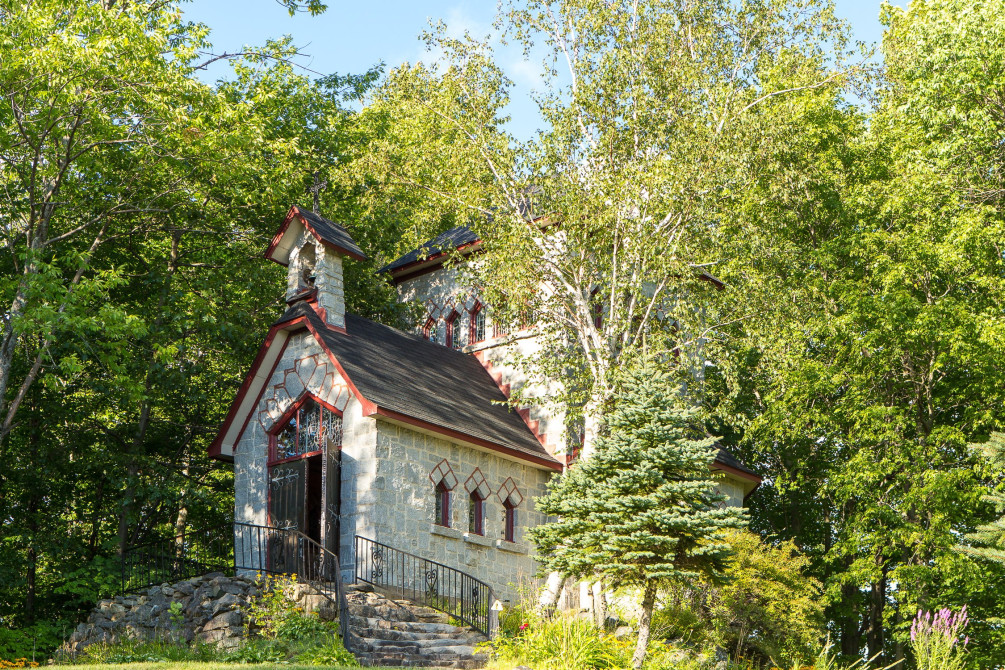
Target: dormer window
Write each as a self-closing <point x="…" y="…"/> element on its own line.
<point x="454" y="331"/>
<point x="477" y="323"/>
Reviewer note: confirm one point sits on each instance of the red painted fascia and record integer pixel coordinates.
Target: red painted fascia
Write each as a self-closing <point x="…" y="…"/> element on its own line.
<point x="432" y="263"/>
<point x="369" y="408"/>
<point x="717" y="465"/>
<point x="449" y="432"/>
<point x="524" y="412"/>
<point x="295" y="211"/>
<point x="216" y="446"/>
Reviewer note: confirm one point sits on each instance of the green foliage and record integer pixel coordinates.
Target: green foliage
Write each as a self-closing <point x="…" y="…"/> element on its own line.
<point x="643" y="510"/>
<point x="562" y="642"/>
<point x="31" y="642"/>
<point x="766" y="610"/>
<point x="988" y="540"/>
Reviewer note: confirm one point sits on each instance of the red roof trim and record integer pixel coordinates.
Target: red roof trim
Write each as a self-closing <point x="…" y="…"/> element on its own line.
<point x="718" y="465"/>
<point x="369" y="408"/>
<point x="448" y="432"/>
<point x="295" y="211"/>
<point x="216" y="445"/>
<point x="279" y="235"/>
<point x="426" y="265"/>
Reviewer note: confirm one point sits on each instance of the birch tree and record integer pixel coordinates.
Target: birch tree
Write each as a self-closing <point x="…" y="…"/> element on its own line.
<point x="605" y="227"/>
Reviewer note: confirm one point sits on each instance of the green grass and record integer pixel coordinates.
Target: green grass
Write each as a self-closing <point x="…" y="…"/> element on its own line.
<point x="200" y="665"/>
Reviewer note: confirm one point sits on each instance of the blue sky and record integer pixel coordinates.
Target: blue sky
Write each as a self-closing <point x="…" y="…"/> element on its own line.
<point x="352" y="36"/>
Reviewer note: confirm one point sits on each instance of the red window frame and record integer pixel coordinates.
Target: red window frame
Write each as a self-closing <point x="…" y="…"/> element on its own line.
<point x="281" y="423"/>
<point x="509" y="514"/>
<point x="476" y="513"/>
<point x="453" y="331"/>
<point x="430" y="329"/>
<point x="442" y="511"/>
<point x="477" y="311"/>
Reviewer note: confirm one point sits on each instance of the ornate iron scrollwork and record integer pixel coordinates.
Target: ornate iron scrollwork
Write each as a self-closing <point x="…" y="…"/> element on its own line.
<point x="432" y="584"/>
<point x="377" y="559"/>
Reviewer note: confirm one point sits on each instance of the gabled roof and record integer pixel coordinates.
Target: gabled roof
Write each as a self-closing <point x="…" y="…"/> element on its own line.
<point x="435" y="249"/>
<point x="406" y="379"/>
<point x="732" y="463"/>
<point x="325" y="231"/>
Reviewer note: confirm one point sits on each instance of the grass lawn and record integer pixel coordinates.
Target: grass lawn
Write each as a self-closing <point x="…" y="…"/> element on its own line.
<point x="196" y="665"/>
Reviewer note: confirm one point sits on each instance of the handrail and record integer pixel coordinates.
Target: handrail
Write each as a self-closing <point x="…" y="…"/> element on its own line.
<point x="426" y="582"/>
<point x="192" y="553"/>
<point x="249" y="548"/>
<point x="276" y="551"/>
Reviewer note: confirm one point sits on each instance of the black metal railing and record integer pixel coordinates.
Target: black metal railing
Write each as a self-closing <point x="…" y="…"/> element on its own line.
<point x="250" y="550"/>
<point x="191" y="553"/>
<point x="426" y="582"/>
<point x="283" y="551"/>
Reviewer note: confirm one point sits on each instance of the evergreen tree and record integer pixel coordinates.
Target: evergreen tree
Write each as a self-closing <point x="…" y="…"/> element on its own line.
<point x="990" y="537"/>
<point x="644" y="510"/>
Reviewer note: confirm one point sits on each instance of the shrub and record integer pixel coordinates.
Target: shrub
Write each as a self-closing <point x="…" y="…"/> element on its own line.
<point x="767" y="611"/>
<point x="562" y="642"/>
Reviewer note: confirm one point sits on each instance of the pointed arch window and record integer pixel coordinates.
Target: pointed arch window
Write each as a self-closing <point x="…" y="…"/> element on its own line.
<point x="454" y="331"/>
<point x="441" y="513"/>
<point x="511" y="498"/>
<point x="444" y="480"/>
<point x="304" y="429"/>
<point x="477" y="323"/>
<point x="430" y="331"/>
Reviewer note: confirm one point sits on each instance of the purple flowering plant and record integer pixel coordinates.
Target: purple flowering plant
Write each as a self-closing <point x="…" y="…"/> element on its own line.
<point x="937" y="639"/>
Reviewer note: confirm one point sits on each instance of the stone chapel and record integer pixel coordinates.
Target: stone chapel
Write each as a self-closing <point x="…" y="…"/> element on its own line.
<point x="345" y="428"/>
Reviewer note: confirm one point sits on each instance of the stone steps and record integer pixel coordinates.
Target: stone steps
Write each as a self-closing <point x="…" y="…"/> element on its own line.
<point x="397" y="633"/>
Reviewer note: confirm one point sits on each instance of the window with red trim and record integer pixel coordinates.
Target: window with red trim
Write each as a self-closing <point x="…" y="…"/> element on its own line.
<point x="441" y="514"/>
<point x="476" y="513"/>
<point x="454" y="331"/>
<point x="509" y="521"/>
<point x="304" y="429"/>
<point x="477" y="323"/>
<point x="430" y="331"/>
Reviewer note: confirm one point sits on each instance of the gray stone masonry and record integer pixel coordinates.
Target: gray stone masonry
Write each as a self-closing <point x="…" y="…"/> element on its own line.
<point x="403" y="508"/>
<point x="211" y="611"/>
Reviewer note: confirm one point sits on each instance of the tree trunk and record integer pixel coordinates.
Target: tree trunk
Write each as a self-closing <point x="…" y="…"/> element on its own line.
<point x="877" y="604"/>
<point x="552" y="589"/>
<point x="599" y="603"/>
<point x="851" y="637"/>
<point x="648" y="602"/>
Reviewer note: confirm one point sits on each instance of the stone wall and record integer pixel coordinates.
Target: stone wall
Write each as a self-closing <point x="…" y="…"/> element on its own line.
<point x="402" y="515"/>
<point x="303" y="367"/>
<point x="210" y="609"/>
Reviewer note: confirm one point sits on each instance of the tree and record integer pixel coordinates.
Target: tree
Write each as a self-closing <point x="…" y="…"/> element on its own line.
<point x="874" y="259"/>
<point x="137" y="200"/>
<point x="604" y="227"/>
<point x="768" y="609"/>
<point x="644" y="511"/>
<point x="988" y="541"/>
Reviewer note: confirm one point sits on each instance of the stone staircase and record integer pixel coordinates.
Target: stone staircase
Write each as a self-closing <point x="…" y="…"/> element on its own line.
<point x="399" y="633"/>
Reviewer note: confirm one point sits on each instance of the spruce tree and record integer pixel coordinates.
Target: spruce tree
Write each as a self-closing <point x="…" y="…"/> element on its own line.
<point x="643" y="511"/>
<point x="990" y="538"/>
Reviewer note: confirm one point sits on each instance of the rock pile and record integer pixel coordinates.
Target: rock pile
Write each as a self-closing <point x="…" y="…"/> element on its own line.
<point x="209" y="609"/>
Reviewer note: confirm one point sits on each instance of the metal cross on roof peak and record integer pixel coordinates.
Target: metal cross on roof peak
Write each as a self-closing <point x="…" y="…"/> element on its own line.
<point x="316" y="189"/>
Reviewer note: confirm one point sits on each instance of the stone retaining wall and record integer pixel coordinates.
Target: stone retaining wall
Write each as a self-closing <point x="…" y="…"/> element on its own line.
<point x="212" y="610"/>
